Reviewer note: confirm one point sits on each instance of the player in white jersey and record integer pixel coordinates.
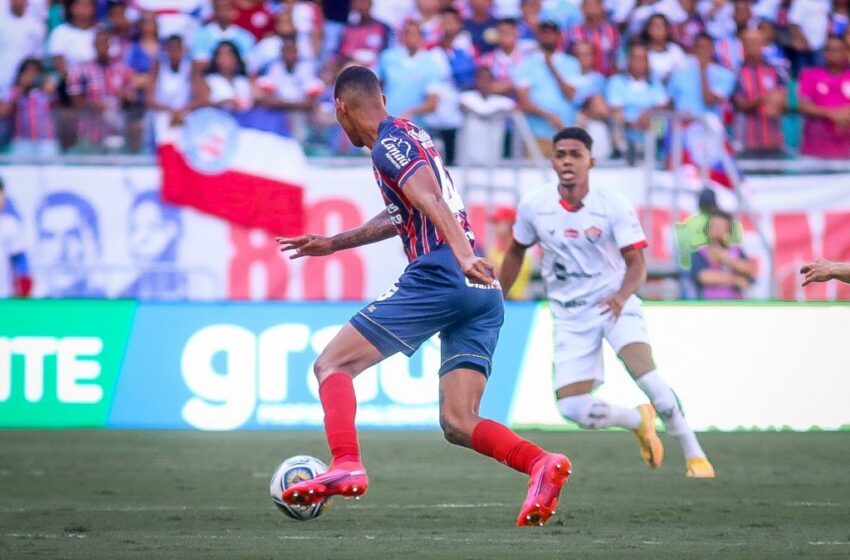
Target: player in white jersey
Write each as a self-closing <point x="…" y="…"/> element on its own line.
<point x="592" y="265"/>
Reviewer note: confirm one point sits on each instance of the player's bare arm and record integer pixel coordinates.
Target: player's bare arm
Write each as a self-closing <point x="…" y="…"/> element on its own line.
<point x="822" y="270"/>
<point x="311" y="245"/>
<point x="511" y="265"/>
<point x="634" y="279"/>
<point x="424" y="193"/>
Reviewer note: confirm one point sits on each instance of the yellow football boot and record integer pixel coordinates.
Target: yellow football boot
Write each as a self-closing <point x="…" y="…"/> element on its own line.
<point x="699" y="467"/>
<point x="651" y="448"/>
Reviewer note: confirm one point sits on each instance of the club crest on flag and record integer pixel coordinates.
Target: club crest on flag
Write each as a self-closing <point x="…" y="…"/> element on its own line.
<point x="210" y="139"/>
<point x="593" y="234"/>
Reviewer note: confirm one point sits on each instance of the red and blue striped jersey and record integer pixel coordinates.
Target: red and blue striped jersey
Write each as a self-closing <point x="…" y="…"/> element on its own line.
<point x="400" y="149"/>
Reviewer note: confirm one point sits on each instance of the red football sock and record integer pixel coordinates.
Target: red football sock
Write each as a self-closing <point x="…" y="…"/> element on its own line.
<point x="501" y="443"/>
<point x="340" y="405"/>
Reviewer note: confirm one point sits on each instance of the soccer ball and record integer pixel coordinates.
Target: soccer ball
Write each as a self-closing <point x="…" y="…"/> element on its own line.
<point x="292" y="471"/>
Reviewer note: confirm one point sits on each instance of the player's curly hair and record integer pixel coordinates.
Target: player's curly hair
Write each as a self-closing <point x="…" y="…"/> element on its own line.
<point x="574" y="133"/>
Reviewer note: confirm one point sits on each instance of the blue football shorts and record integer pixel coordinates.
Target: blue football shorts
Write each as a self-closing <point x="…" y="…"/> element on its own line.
<point x="433" y="296"/>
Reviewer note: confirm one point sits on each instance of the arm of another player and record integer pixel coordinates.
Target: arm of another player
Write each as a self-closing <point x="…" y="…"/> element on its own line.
<point x="311" y="245"/>
<point x="511" y="265"/>
<point x="823" y="270"/>
<point x="424" y="193"/>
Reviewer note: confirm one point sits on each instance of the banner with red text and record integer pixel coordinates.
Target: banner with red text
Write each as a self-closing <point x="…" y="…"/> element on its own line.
<point x="103" y="231"/>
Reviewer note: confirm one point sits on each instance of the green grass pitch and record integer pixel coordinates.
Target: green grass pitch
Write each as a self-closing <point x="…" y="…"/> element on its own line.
<point x="187" y="495"/>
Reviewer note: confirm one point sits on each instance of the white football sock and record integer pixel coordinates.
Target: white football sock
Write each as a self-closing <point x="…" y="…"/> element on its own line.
<point x="590" y="412"/>
<point x="666" y="404"/>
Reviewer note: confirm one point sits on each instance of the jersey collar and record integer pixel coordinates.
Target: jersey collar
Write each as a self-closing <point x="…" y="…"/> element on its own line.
<point x="566" y="205"/>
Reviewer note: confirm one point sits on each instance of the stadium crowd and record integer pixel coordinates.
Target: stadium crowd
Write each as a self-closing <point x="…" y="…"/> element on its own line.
<point x="88" y="75"/>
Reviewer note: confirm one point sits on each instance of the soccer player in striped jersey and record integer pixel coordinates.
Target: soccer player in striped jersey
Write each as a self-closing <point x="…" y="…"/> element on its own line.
<point x="447" y="288"/>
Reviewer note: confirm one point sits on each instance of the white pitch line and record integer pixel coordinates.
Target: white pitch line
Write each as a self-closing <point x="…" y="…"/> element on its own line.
<point x="829" y="543"/>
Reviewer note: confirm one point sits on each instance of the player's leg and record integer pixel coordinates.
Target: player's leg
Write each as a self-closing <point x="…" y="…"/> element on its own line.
<point x="637" y="357"/>
<point x="467" y="349"/>
<point x="578" y="370"/>
<point x="460" y="396"/>
<point x="348" y="354"/>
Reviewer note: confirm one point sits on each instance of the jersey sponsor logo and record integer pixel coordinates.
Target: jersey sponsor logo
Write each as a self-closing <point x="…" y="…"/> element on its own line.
<point x="397" y="151"/>
<point x="593" y="234"/>
<point x="571" y="233"/>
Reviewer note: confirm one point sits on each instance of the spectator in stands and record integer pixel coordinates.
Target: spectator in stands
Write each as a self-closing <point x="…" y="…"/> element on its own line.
<point x="146" y="47"/>
<point x="225" y="84"/>
<point x="701" y="86"/>
<point x="254" y="17"/>
<point x="729" y="50"/>
<point x="484" y="125"/>
<point x="364" y="38"/>
<point x="309" y="27"/>
<point x="21" y="37"/>
<point x="760" y="100"/>
<point x="632" y="95"/>
<point x="456" y="45"/>
<point x="142" y="54"/>
<point x="565" y="13"/>
<point x="68" y="245"/>
<point x="481" y="26"/>
<point x="291" y="85"/>
<point x="527" y="25"/>
<point x="503" y="219"/>
<point x="825" y="104"/>
<point x="410" y="76"/>
<point x="720" y="270"/>
<point x="589" y="99"/>
<point x="543" y="85"/>
<point x="665" y="56"/>
<point x="600" y="33"/>
<point x="73" y="42"/>
<point x="809" y="21"/>
<point x="30" y="106"/>
<point x="100" y="89"/>
<point x="427" y="13"/>
<point x="685" y="31"/>
<point x="507" y="56"/>
<point x="771" y="51"/>
<point x="120" y="29"/>
<point x="839" y="19"/>
<point x="220" y="29"/>
<point x="169" y="88"/>
<point x="175" y="17"/>
<point x="267" y="51"/>
<point x="335" y="16"/>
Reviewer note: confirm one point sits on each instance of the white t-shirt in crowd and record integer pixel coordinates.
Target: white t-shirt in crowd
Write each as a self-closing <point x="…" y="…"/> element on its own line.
<point x="20" y="37"/>
<point x="664" y="63"/>
<point x="291" y="86"/>
<point x="483" y="132"/>
<point x="75" y="44"/>
<point x="582" y="248"/>
<point x="173" y="87"/>
<point x="813" y="18"/>
<point x="237" y="91"/>
<point x="173" y="17"/>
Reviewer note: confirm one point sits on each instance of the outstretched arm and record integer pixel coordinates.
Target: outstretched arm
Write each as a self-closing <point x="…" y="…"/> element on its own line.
<point x="823" y="270"/>
<point x="311" y="245"/>
<point x="424" y="193"/>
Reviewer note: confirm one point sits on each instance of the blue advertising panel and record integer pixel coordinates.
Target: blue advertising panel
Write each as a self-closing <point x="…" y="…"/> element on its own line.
<point x="228" y="366"/>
